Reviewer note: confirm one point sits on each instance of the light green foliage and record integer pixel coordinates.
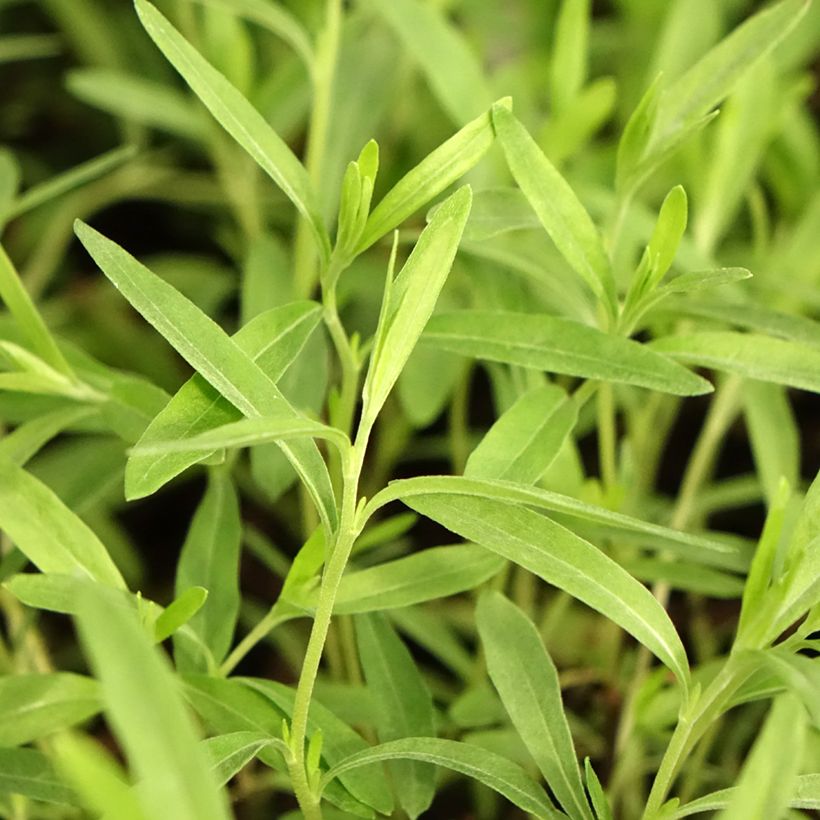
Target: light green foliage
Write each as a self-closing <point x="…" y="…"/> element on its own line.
<point x="525" y="440"/>
<point x="475" y="445"/>
<point x="146" y="710"/>
<point x="527" y="681"/>
<point x="545" y="342"/>
<point x="403" y="702"/>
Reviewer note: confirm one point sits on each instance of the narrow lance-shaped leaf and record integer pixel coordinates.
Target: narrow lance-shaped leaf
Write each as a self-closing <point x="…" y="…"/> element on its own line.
<point x="451" y="68"/>
<point x="147" y="712"/>
<point x="238" y="117"/>
<point x="138" y="99"/>
<point x="562" y="559"/>
<point x="715" y="75"/>
<point x="747" y="354"/>
<point x="413" y="298"/>
<point x="773" y="435"/>
<point x="404" y="704"/>
<point x="689" y="545"/>
<point x="54" y="538"/>
<point x="37" y="705"/>
<point x="806" y="795"/>
<point x="559" y="345"/>
<point x="209" y="350"/>
<point x="272" y="340"/>
<point x="28" y="318"/>
<point x="523" y="442"/>
<point x="424" y="576"/>
<point x="440" y="169"/>
<point x="527" y="681"/>
<point x="247" y="433"/>
<point x="768" y="776"/>
<point x="568" y="66"/>
<point x="561" y="213"/>
<point x="30" y="773"/>
<point x="274" y="18"/>
<point x="179" y="612"/>
<point x="488" y="768"/>
<point x="101" y="785"/>
<point x="210" y="559"/>
<point x="62" y="183"/>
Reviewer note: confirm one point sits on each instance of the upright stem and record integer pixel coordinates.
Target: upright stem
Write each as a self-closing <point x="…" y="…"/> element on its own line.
<point x="720" y="416"/>
<point x="606" y="436"/>
<point x="332" y="576"/>
<point x="327" y="52"/>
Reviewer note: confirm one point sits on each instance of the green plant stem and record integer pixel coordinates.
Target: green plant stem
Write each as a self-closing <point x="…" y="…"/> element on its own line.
<point x="458" y="419"/>
<point x="348" y="391"/>
<point x="327" y="52"/>
<point x="331" y="578"/>
<point x="262" y="629"/>
<point x="720" y="416"/>
<point x="691" y="727"/>
<point x="606" y="437"/>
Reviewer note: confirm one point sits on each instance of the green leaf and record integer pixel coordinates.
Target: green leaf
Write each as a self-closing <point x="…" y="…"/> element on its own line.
<point x="210" y="559"/>
<point x="762" y="571"/>
<point x="54" y="592"/>
<point x="805" y="795"/>
<point x="74" y="178"/>
<point x="54" y="538"/>
<point x="34" y="706"/>
<point x="568" y="66"/>
<point x="497" y="211"/>
<point x="527" y="681"/>
<point x="488" y="768"/>
<point x="339" y="742"/>
<point x="525" y="440"/>
<point x="179" y="612"/>
<point x="246" y="433"/>
<point x="747" y="354"/>
<point x="146" y="712"/>
<point x="597" y="797"/>
<point x="559" y="345"/>
<point x="28" y="318"/>
<point x="436" y="172"/>
<point x="404" y="706"/>
<point x="636" y="135"/>
<point x="30" y="773"/>
<point x="768" y="775"/>
<point x="691" y="546"/>
<point x="773" y="435"/>
<point x="239" y="118"/>
<point x="793" y="328"/>
<point x="274" y="18"/>
<point x="564" y="560"/>
<point x="717" y="73"/>
<point x="138" y="99"/>
<point x="451" y="68"/>
<point x="209" y="350"/>
<point x="423" y="576"/>
<point x="413" y="297"/>
<point x="232" y="706"/>
<point x="27" y="439"/>
<point x="699" y="280"/>
<point x="800" y="675"/>
<point x="230" y="753"/>
<point x="558" y="208"/>
<point x="272" y="340"/>
<point x="667" y="235"/>
<point x="97" y="778"/>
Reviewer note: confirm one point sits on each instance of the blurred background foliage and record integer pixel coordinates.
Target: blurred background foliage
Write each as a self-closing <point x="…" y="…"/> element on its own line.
<point x="95" y="124"/>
